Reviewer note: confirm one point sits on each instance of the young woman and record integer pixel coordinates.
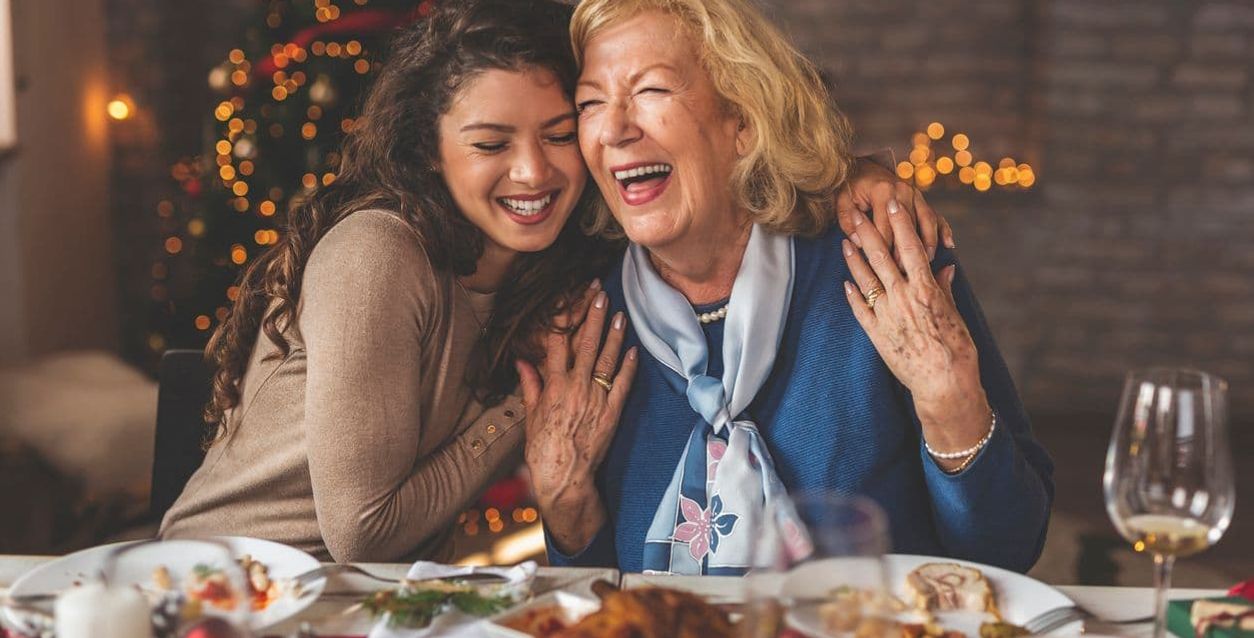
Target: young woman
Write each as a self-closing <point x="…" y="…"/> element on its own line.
<point x="356" y="370"/>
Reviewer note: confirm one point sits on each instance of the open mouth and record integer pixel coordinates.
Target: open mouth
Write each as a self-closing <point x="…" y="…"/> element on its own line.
<point x="528" y="207"/>
<point x="642" y="178"/>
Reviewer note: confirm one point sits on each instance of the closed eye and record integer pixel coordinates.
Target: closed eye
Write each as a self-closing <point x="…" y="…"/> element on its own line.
<point x="564" y="138"/>
<point x="489" y="147"/>
<point x="587" y="104"/>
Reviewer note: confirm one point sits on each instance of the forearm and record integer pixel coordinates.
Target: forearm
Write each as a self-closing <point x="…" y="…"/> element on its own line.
<point x="573" y="519"/>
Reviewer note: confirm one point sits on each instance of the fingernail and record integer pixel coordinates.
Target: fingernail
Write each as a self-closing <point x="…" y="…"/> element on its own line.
<point x="950" y="243"/>
<point x="600" y="302"/>
<point x="595" y="285"/>
<point x="847" y="247"/>
<point x="893" y="207"/>
<point x="848" y="288"/>
<point x="631" y="354"/>
<point x="858" y="218"/>
<point x="618" y="321"/>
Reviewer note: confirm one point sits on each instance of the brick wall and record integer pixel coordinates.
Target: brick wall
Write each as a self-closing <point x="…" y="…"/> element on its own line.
<point x="1136" y="246"/>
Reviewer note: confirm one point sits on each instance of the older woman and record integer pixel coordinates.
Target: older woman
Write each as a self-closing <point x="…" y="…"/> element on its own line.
<point x="769" y="362"/>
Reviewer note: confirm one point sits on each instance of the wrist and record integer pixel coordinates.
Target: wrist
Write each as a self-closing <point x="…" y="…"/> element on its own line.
<point x="954" y="425"/>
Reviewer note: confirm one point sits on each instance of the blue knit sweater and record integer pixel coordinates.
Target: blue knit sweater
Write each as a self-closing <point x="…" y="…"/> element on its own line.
<point x="835" y="418"/>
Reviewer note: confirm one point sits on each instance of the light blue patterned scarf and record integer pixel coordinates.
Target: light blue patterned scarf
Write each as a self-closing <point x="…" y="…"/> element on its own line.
<point x="726" y="475"/>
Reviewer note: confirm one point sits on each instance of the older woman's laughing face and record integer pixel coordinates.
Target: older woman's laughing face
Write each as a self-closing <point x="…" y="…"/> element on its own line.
<point x="659" y="141"/>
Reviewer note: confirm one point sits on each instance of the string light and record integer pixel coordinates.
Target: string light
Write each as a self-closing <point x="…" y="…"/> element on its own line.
<point x="926" y="165"/>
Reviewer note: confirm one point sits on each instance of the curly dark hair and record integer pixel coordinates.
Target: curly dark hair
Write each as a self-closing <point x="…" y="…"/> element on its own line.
<point x="388" y="162"/>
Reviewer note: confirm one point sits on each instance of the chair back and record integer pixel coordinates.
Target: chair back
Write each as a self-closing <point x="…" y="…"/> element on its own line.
<point x="184" y="382"/>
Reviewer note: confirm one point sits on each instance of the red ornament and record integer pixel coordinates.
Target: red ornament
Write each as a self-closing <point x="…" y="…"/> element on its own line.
<point x="1243" y="590"/>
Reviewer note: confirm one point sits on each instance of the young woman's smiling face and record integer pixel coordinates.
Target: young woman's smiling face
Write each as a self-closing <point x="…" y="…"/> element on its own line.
<point x="510" y="157"/>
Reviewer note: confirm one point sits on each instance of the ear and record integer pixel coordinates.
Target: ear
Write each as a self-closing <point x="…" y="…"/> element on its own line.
<point x="744" y="136"/>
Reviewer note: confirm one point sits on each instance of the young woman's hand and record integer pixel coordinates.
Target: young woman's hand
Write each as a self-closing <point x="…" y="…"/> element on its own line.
<point x="573" y="404"/>
<point x="876" y="192"/>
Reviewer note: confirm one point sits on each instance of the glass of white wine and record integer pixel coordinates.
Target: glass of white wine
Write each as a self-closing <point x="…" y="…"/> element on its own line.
<point x="1168" y="481"/>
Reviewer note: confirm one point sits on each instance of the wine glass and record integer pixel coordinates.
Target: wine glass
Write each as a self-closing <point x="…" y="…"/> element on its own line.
<point x="1168" y="481"/>
<point x="807" y="548"/>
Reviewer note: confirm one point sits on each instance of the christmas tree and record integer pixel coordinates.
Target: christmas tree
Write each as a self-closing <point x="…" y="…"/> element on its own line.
<point x="288" y="93"/>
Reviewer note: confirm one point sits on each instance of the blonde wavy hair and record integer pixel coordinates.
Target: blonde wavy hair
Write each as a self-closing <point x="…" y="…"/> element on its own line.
<point x="799" y="151"/>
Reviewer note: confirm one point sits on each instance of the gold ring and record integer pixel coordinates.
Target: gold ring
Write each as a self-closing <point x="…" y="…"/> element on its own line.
<point x="872" y="295"/>
<point x="603" y="380"/>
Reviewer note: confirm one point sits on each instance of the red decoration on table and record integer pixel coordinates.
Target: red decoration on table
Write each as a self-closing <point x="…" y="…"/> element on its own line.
<point x="1243" y="590"/>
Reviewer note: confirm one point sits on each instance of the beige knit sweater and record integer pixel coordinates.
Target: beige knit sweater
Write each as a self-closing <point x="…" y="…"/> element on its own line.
<point x="364" y="443"/>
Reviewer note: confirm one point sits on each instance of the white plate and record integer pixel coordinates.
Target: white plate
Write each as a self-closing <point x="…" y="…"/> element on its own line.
<point x="573" y="608"/>
<point x="1018" y="597"/>
<point x="179" y="557"/>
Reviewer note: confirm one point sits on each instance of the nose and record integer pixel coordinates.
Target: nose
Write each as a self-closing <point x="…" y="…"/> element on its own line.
<point x="619" y="125"/>
<point x="531" y="166"/>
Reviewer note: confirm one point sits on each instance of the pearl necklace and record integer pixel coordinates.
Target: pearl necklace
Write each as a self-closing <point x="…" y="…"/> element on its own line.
<point x="713" y="315"/>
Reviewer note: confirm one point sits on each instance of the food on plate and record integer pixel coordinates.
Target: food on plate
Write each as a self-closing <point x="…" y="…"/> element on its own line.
<point x="653" y="612"/>
<point x="846" y="607"/>
<point x="541" y="622"/>
<point x="209" y="585"/>
<point x="414" y="607"/>
<point x="951" y="587"/>
<point x="1001" y="630"/>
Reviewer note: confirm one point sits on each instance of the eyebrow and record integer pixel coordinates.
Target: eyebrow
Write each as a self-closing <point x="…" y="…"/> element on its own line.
<point x="634" y="77"/>
<point x="505" y="128"/>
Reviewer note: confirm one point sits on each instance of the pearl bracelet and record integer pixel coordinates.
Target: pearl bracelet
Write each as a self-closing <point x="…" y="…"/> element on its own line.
<point x="969" y="452"/>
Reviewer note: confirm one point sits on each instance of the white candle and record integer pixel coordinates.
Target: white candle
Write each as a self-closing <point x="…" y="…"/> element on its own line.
<point x="96" y="611"/>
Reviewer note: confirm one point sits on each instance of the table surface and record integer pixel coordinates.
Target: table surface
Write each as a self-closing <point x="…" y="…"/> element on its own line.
<point x="327" y="617"/>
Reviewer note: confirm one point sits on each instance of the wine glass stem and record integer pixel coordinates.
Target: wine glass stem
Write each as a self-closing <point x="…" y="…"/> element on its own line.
<point x="1162" y="583"/>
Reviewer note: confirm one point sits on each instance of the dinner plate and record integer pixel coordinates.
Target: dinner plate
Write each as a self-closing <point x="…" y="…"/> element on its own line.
<point x="136" y="568"/>
<point x="1018" y="597"/>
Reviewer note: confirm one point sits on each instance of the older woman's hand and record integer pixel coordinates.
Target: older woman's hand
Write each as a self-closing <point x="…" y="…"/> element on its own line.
<point x="874" y="188"/>
<point x="572" y="410"/>
<point x="912" y="320"/>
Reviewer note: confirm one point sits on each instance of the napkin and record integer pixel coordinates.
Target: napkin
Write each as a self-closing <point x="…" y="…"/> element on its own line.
<point x="454" y="622"/>
<point x="1228" y="617"/>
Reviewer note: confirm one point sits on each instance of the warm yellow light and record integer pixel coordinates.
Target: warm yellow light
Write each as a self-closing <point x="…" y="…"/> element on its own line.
<point x="327" y="178"/>
<point x="119" y="108"/>
<point x="362" y="67"/>
<point x="221" y="313"/>
<point x="238" y="255"/>
<point x="239" y="77"/>
<point x="156" y="342"/>
<point x="222" y="160"/>
<point x="309" y="130"/>
<point x="318" y="47"/>
<point x="491" y="514"/>
<point x="982" y="182"/>
<point x="266" y="208"/>
<point x="346" y="124"/>
<point x="196" y="227"/>
<point x="309" y="180"/>
<point x="202" y="322"/>
<point x="925" y="174"/>
<point x="314" y="112"/>
<point x="905" y="170"/>
<point x="241" y="204"/>
<point x="261" y="237"/>
<point x="222" y="147"/>
<point x="279" y="93"/>
<point x="1006" y="162"/>
<point x="224" y="111"/>
<point x="961" y="142"/>
<point x="919" y="154"/>
<point x="983" y="168"/>
<point x="173" y="245"/>
<point x="299" y="78"/>
<point x="227" y="172"/>
<point x="966" y="175"/>
<point x="353" y="47"/>
<point x="236" y="56"/>
<point x="232" y="293"/>
<point x="235" y="125"/>
<point x="245" y="168"/>
<point x="1000" y="177"/>
<point x="240" y="189"/>
<point x="300" y="55"/>
<point x="1027" y="178"/>
<point x="944" y="166"/>
<point x="334" y="49"/>
<point x="963" y="158"/>
<point x="935" y="130"/>
<point x="920" y="139"/>
<point x="279" y="77"/>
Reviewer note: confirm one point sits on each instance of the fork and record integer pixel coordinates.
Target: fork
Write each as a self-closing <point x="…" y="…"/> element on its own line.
<point x="1053" y="619"/>
<point x="309" y="577"/>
